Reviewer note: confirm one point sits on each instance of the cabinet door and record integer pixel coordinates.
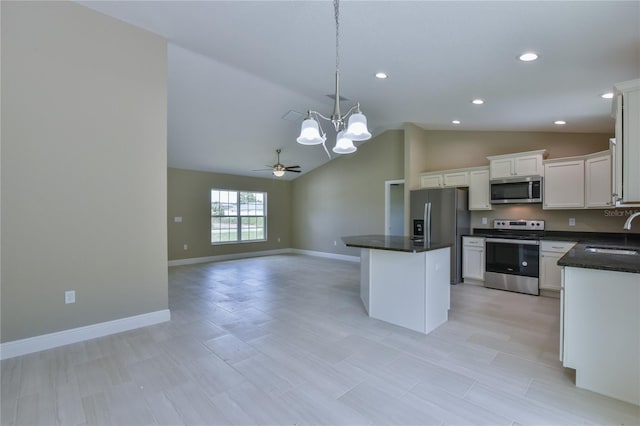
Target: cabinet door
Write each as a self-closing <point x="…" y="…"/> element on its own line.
<point x="431" y="181"/>
<point x="473" y="263"/>
<point x="598" y="182"/>
<point x="456" y="179"/>
<point x="550" y="272"/>
<point x="479" y="190"/>
<point x="630" y="116"/>
<point x="501" y="168"/>
<point x="564" y="185"/>
<point x="530" y="165"/>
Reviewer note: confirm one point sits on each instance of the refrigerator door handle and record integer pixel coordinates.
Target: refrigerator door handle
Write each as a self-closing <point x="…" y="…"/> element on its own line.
<point x="427" y="223"/>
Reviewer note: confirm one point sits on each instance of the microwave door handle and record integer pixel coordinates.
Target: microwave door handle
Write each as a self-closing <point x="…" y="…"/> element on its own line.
<point x="530" y="190"/>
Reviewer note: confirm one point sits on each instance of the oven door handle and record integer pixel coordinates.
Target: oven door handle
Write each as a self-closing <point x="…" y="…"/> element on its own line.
<point x="510" y="241"/>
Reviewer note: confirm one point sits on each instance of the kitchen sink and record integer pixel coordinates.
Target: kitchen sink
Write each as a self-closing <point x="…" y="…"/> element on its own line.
<point x="612" y="250"/>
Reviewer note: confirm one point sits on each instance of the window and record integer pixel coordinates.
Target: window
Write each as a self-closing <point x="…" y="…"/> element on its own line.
<point x="238" y="216"/>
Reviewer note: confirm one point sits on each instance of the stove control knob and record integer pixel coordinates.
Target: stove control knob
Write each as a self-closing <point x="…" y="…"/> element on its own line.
<point x="524" y="263"/>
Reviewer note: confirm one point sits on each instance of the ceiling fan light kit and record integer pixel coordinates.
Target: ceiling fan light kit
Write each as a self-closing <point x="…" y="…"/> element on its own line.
<point x="311" y="133"/>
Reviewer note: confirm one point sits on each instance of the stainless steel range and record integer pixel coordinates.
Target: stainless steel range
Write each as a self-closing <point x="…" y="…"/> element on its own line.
<point x="512" y="255"/>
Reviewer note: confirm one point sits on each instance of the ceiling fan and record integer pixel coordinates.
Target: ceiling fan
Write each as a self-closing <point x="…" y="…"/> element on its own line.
<point x="278" y="169"/>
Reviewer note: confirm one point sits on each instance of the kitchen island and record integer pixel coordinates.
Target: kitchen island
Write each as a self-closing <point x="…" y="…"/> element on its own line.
<point x="403" y="281"/>
<point x="600" y="319"/>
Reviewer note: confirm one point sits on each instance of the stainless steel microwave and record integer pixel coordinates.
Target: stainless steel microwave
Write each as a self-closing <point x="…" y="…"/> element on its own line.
<point x="516" y="190"/>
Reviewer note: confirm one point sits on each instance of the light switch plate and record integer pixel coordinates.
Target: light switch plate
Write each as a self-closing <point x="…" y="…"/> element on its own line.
<point x="69" y="297"/>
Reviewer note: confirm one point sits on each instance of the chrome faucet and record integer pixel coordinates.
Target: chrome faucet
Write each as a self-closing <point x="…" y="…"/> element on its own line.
<point x="627" y="224"/>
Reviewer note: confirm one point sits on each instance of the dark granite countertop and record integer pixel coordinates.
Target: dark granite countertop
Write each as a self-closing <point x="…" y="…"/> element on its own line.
<point x="579" y="257"/>
<point x="393" y="243"/>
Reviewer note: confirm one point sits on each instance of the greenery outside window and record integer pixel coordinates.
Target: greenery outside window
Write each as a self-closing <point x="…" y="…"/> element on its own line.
<point x="238" y="216"/>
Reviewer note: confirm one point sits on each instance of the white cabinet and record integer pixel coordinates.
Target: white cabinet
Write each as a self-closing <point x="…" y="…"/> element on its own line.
<point x="456" y="179"/>
<point x="563" y="184"/>
<point x="445" y="179"/>
<point x="550" y="272"/>
<point x="432" y="180"/>
<point x="479" y="190"/>
<point x="473" y="259"/>
<point x="601" y="331"/>
<point x="520" y="164"/>
<point x="597" y="180"/>
<point x="626" y="170"/>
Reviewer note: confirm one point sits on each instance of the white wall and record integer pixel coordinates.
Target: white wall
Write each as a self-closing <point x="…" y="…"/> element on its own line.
<point x="84" y="167"/>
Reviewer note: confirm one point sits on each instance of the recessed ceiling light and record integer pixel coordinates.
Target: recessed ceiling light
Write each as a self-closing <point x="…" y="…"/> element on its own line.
<point x="608" y="95"/>
<point x="528" y="57"/>
<point x="560" y="122"/>
<point x="381" y="75"/>
<point x="455" y="121"/>
<point x="477" y="101"/>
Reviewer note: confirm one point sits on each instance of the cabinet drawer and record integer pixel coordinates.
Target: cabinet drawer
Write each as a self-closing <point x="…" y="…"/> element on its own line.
<point x="556" y="246"/>
<point x="473" y="242"/>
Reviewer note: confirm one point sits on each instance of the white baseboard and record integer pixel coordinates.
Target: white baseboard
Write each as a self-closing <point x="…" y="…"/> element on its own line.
<point x="250" y="254"/>
<point x="74" y="335"/>
<point x="193" y="260"/>
<point x="328" y="255"/>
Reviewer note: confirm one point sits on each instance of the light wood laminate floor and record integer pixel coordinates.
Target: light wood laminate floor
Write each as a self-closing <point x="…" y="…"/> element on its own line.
<point x="284" y="340"/>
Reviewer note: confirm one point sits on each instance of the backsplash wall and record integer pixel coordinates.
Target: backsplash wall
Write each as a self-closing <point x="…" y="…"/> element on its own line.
<point x="605" y="220"/>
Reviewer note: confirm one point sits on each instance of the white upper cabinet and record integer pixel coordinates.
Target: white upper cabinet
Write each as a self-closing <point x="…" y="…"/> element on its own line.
<point x="597" y="179"/>
<point x="626" y="110"/>
<point x="456" y="179"/>
<point x="445" y="179"/>
<point x="431" y="180"/>
<point x="563" y="184"/>
<point x="520" y="164"/>
<point x="479" y="190"/>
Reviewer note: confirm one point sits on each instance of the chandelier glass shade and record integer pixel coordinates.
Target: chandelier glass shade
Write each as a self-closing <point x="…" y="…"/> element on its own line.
<point x="344" y="145"/>
<point x="350" y="127"/>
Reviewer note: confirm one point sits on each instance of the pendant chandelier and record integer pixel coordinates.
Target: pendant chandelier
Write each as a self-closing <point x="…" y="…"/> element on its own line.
<point x="350" y="127"/>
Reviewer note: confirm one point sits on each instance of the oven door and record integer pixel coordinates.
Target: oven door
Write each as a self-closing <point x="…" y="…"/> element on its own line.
<point x="512" y="265"/>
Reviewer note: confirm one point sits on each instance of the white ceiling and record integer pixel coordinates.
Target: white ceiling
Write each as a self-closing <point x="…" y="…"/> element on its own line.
<point x="237" y="67"/>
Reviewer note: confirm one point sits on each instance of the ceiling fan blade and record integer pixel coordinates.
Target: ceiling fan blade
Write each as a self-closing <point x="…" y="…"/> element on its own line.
<point x="294" y="171"/>
<point x="292" y="167"/>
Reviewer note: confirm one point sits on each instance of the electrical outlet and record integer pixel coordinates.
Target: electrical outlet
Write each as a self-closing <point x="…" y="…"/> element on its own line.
<point x="278" y="239"/>
<point x="484" y="221"/>
<point x="177" y="219"/>
<point x="572" y="221"/>
<point x="335" y="243"/>
<point x="69" y="297"/>
<point x="186" y="247"/>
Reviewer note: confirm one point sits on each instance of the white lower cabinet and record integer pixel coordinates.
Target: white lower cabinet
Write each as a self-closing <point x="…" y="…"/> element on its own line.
<point x="550" y="272"/>
<point x="600" y="329"/>
<point x="473" y="259"/>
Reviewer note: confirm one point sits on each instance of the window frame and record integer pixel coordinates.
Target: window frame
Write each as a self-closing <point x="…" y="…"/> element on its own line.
<point x="238" y="216"/>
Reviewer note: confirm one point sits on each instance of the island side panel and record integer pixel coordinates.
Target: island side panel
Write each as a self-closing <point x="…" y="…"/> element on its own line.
<point x="397" y="288"/>
<point x="438" y="288"/>
<point x="365" y="273"/>
<point x="602" y="331"/>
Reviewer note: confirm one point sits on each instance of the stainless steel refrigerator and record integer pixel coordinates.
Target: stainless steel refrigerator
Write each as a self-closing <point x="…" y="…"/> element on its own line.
<point x="441" y="215"/>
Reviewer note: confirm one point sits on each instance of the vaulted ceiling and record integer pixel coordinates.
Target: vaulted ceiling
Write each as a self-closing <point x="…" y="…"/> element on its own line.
<point x="236" y="68"/>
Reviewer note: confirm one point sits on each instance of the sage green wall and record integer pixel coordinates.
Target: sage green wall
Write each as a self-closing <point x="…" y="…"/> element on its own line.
<point x="83" y="165"/>
<point x="189" y="197"/>
<point x="440" y="150"/>
<point x="346" y="196"/>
